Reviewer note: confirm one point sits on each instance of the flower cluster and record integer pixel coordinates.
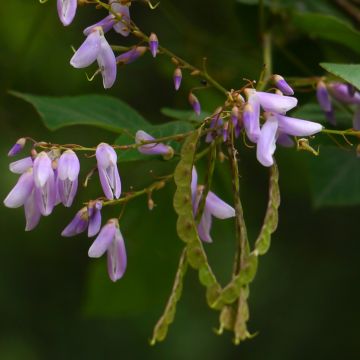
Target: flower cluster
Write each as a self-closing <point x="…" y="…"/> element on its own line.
<point x="343" y="93"/>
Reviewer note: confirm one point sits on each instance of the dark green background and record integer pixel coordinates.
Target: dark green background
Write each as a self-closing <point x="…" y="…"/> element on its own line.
<point x="55" y="303"/>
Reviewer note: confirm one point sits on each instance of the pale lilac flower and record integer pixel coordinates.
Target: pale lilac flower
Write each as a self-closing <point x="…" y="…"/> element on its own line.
<point x="177" y="78"/>
<point x="18" y="146"/>
<point x="22" y="165"/>
<point x="282" y="85"/>
<point x="111" y="241"/>
<point x="122" y="27"/>
<point x="130" y="56"/>
<point x="214" y="206"/>
<point x="152" y="149"/>
<point x="67" y="177"/>
<point x="66" y="10"/>
<point x="194" y="102"/>
<point x="78" y="224"/>
<point x="44" y="178"/>
<point x="96" y="47"/>
<point x="251" y="121"/>
<point x="324" y="100"/>
<point x="21" y="191"/>
<point x="94" y="216"/>
<point x="32" y="212"/>
<point x="340" y="92"/>
<point x="153" y="44"/>
<point x="108" y="172"/>
<point x="275" y="125"/>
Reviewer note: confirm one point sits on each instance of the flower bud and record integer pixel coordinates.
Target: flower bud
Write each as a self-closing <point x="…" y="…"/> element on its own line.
<point x="194" y="102"/>
<point x="18" y="146"/>
<point x="177" y="78"/>
<point x="153" y="44"/>
<point x="131" y="55"/>
<point x="282" y="85"/>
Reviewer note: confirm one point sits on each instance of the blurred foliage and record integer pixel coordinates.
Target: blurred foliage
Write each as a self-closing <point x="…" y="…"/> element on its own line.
<point x="56" y="303"/>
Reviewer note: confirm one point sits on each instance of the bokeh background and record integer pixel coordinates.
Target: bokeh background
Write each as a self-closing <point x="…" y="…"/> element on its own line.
<point x="55" y="303"/>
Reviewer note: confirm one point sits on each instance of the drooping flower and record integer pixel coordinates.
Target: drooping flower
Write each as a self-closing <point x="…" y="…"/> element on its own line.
<point x="21" y="191"/>
<point x="66" y="10"/>
<point x="44" y="179"/>
<point x="96" y="47"/>
<point x="177" y="78"/>
<point x="282" y="85"/>
<point x="78" y="224"/>
<point x="111" y="241"/>
<point x="152" y="149"/>
<point x="123" y="26"/>
<point x="106" y="24"/>
<point x="22" y="165"/>
<point x="214" y="206"/>
<point x="108" y="172"/>
<point x="68" y="169"/>
<point x="275" y="125"/>
<point x="18" y="146"/>
<point x="194" y="102"/>
<point x="153" y="44"/>
<point x="130" y="56"/>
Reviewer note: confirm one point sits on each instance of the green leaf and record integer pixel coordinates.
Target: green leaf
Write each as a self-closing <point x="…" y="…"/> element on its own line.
<point x="347" y="72"/>
<point x="101" y="111"/>
<point x="186" y="115"/>
<point x="335" y="177"/>
<point x="328" y="27"/>
<point x="157" y="131"/>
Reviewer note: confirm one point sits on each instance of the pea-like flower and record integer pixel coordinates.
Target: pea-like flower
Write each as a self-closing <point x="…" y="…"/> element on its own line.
<point x="279" y="124"/>
<point x="94" y="216"/>
<point x="194" y="102"/>
<point x="67" y="177"/>
<point x="78" y="224"/>
<point x="108" y="172"/>
<point x="96" y="47"/>
<point x="44" y="179"/>
<point x="22" y="165"/>
<point x="32" y="212"/>
<point x="152" y="149"/>
<point x="214" y="206"/>
<point x="130" y="56"/>
<point x="111" y="241"/>
<point x="66" y="10"/>
<point x="282" y="85"/>
<point x="123" y="26"/>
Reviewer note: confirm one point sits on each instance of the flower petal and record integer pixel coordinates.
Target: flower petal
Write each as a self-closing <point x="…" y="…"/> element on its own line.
<point x="103" y="240"/>
<point x="266" y="144"/>
<point x="297" y="127"/>
<point x="21" y="191"/>
<point x="205" y="226"/>
<point x="276" y="103"/>
<point x="107" y="63"/>
<point x="66" y="11"/>
<point x="32" y="212"/>
<point x="218" y="208"/>
<point x="116" y="257"/>
<point x="20" y="166"/>
<point x="88" y="51"/>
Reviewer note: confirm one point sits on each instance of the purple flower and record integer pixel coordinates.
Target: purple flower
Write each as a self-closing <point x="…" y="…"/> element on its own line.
<point x="18" y="146"/>
<point x="111" y="241"/>
<point x="32" y="212"/>
<point x="152" y="149"/>
<point x="44" y="178"/>
<point x="96" y="47"/>
<point x="275" y="125"/>
<point x="216" y="122"/>
<point x="78" y="224"/>
<point x="122" y="27"/>
<point x="94" y="216"/>
<point x="177" y="78"/>
<point x="66" y="10"/>
<point x="235" y="119"/>
<point x="67" y="177"/>
<point x="21" y="191"/>
<point x="324" y="100"/>
<point x="194" y="102"/>
<point x="153" y="44"/>
<point x="22" y="165"/>
<point x="108" y="172"/>
<point x="131" y="55"/>
<point x="214" y="206"/>
<point x="282" y="85"/>
<point x="341" y="93"/>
